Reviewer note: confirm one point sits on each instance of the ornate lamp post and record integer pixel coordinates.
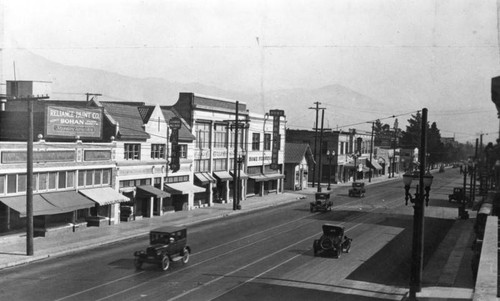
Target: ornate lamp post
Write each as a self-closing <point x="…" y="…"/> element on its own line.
<point x="421" y="194"/>
<point x="330" y="155"/>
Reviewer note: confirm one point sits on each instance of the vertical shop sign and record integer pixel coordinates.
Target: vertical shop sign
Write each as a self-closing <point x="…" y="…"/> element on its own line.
<point x="276" y="136"/>
<point x="175" y="125"/>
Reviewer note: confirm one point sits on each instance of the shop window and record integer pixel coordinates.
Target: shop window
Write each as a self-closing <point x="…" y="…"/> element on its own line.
<point x="11" y="183"/>
<point x="52" y="180"/>
<point x="62" y="180"/>
<point x="157" y="151"/>
<point x="97" y="177"/>
<point x="2" y="184"/>
<point x="220" y="164"/>
<point x="177" y="179"/>
<point x="81" y="178"/>
<point x="70" y="179"/>
<point x="202" y="165"/>
<point x="89" y="177"/>
<point x="43" y="181"/>
<point x="21" y="182"/>
<point x="132" y="151"/>
<point x="106" y="174"/>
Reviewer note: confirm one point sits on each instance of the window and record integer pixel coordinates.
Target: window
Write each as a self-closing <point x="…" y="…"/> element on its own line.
<point x="11" y="183"/>
<point x="22" y="182"/>
<point x="267" y="141"/>
<point x="2" y="184"/>
<point x="132" y="151"/>
<point x="157" y="151"/>
<point x="220" y="164"/>
<point x="106" y="174"/>
<point x="177" y="179"/>
<point x="52" y="180"/>
<point x="89" y="177"/>
<point x="202" y="135"/>
<point x="62" y="180"/>
<point x="70" y="179"/>
<point x="183" y="149"/>
<point x="255" y="141"/>
<point x="240" y="138"/>
<point x="202" y="165"/>
<point x="220" y="136"/>
<point x="43" y="181"/>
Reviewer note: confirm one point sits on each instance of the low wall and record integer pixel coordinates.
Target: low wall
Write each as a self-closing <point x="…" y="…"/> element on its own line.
<point x="487" y="275"/>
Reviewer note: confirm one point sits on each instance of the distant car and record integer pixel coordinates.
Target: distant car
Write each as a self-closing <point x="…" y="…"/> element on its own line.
<point x="166" y="244"/>
<point x="321" y="203"/>
<point x="357" y="189"/>
<point x="332" y="241"/>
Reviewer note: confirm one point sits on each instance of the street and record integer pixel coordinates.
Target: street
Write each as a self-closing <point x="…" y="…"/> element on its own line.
<point x="262" y="255"/>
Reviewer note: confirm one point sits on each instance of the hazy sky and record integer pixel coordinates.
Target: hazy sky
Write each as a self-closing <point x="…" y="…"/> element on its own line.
<point x="412" y="54"/>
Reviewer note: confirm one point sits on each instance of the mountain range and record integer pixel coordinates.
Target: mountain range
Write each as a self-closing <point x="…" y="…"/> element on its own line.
<point x="344" y="108"/>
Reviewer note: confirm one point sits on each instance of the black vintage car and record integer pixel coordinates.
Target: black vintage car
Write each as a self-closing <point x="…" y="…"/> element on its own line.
<point x="166" y="244"/>
<point x="333" y="241"/>
<point x="322" y="202"/>
<point x="357" y="189"/>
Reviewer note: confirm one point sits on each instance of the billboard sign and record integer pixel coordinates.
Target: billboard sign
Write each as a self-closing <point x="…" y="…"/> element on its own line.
<point x="70" y="122"/>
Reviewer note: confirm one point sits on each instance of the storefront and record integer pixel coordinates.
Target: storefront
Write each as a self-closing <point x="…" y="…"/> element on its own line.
<point x="205" y="180"/>
<point x="64" y="210"/>
<point x="181" y="193"/>
<point x="221" y="189"/>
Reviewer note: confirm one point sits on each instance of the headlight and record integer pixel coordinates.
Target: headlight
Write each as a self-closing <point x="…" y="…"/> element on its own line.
<point x="158" y="253"/>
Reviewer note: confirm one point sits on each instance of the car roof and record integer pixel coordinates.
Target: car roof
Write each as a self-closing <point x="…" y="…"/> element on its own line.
<point x="168" y="229"/>
<point x="332" y="226"/>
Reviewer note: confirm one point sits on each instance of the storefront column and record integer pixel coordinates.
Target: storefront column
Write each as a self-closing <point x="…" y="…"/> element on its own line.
<point x="151" y="206"/>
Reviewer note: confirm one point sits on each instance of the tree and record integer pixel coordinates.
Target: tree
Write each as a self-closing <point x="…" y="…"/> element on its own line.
<point x="381" y="133"/>
<point x="435" y="147"/>
<point x="411" y="137"/>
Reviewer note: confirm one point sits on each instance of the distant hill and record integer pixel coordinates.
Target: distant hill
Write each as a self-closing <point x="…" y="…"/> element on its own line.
<point x="344" y="107"/>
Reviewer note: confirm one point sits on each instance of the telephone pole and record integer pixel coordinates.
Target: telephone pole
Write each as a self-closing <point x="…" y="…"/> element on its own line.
<point x="317" y="108"/>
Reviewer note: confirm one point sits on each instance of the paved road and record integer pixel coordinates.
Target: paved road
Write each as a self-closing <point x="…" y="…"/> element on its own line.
<point x="264" y="255"/>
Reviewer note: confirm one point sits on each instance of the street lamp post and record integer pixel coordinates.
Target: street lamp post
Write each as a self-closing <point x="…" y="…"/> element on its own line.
<point x="238" y="182"/>
<point x="330" y="155"/>
<point x="421" y="195"/>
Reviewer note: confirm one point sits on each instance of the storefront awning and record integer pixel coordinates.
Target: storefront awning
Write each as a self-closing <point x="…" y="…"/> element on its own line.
<point x="183" y="188"/>
<point x="258" y="177"/>
<point x="243" y="175"/>
<point x="104" y="195"/>
<point x="274" y="176"/>
<point x="49" y="203"/>
<point x="205" y="178"/>
<point x="68" y="201"/>
<point x="223" y="175"/>
<point x="152" y="191"/>
<point x="40" y="205"/>
<point x="375" y="165"/>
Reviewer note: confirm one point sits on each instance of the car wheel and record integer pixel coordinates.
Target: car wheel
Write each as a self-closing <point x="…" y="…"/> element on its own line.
<point x="185" y="255"/>
<point x="165" y="263"/>
<point x="137" y="263"/>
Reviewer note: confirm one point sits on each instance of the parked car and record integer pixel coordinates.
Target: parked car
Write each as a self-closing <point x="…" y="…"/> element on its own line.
<point x="166" y="244"/>
<point x="333" y="240"/>
<point x="322" y="202"/>
<point x="357" y="189"/>
<point x="458" y="195"/>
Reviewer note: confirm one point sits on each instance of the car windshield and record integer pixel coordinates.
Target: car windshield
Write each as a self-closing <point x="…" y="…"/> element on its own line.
<point x="159" y="238"/>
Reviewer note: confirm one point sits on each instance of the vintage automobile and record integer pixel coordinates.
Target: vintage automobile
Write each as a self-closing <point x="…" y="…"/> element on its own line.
<point x="357" y="189"/>
<point x="322" y="202"/>
<point x="333" y="240"/>
<point x="458" y="195"/>
<point x="167" y="244"/>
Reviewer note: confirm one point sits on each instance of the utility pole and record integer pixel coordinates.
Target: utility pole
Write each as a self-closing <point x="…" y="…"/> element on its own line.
<point x="320" y="154"/>
<point x="317" y="108"/>
<point x="371" y="152"/>
<point x="394" y="146"/>
<point x="235" y="160"/>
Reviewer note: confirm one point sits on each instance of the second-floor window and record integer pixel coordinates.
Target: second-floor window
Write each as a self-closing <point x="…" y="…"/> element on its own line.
<point x="183" y="150"/>
<point x="255" y="141"/>
<point x="202" y="135"/>
<point x="267" y="141"/>
<point x="132" y="151"/>
<point x="220" y="136"/>
<point x="157" y="151"/>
